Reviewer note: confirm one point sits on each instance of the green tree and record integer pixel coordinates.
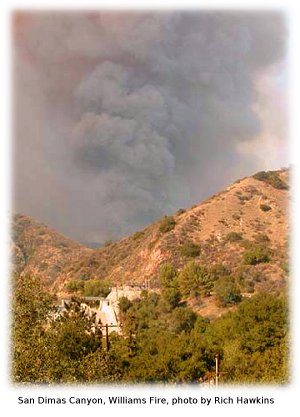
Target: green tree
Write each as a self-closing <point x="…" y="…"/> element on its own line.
<point x="170" y="293"/>
<point x="30" y="309"/>
<point x="51" y="348"/>
<point x="257" y="351"/>
<point x="75" y="285"/>
<point x="124" y="304"/>
<point x="97" y="288"/>
<point x="167" y="275"/>
<point x="196" y="280"/>
<point x="183" y="319"/>
<point x="226" y="291"/>
<point x="72" y="338"/>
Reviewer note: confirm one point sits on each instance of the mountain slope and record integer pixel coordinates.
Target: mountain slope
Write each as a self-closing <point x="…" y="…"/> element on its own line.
<point x="39" y="250"/>
<point x="250" y="214"/>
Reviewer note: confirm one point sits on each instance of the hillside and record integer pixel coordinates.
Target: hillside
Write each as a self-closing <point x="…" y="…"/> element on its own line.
<point x="39" y="250"/>
<point x="248" y="216"/>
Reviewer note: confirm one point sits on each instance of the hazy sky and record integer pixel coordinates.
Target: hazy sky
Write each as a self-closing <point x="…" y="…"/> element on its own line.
<point x="120" y="118"/>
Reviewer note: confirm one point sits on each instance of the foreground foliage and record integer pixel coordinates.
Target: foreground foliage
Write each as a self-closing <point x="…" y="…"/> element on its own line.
<point x="163" y="340"/>
<point x="49" y="349"/>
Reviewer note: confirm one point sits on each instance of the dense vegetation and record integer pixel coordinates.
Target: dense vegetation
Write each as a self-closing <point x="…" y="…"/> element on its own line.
<point x="162" y="341"/>
<point x="89" y="288"/>
<point x="272" y="178"/>
<point x="48" y="349"/>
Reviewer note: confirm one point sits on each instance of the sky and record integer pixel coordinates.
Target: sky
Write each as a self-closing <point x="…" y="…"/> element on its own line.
<point x="120" y="118"/>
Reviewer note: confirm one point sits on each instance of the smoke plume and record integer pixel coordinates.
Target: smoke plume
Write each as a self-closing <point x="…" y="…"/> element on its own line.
<point x="120" y="118"/>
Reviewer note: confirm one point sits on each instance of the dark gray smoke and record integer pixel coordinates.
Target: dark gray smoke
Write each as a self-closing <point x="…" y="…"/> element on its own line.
<point x="123" y="117"/>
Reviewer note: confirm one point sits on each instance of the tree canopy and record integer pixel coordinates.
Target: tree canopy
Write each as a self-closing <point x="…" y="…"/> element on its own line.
<point x="161" y="341"/>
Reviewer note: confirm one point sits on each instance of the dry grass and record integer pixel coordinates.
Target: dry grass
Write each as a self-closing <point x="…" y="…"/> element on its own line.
<point x="133" y="259"/>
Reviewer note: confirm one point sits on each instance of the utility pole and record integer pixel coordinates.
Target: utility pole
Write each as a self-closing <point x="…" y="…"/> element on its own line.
<point x="217" y="369"/>
<point x="107" y="337"/>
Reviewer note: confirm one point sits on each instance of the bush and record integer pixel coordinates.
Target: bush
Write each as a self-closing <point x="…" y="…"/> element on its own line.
<point x="265" y="207"/>
<point x="171" y="296"/>
<point x="233" y="237"/>
<point x="262" y="238"/>
<point x="226" y="291"/>
<point x="219" y="270"/>
<point x="272" y="178"/>
<point x="190" y="249"/>
<point x="167" y="224"/>
<point x="74" y="285"/>
<point x="258" y="254"/>
<point x="196" y="280"/>
<point x="183" y="320"/>
<point x="97" y="288"/>
<point x="167" y="275"/>
<point x="124" y="304"/>
<point x="137" y="235"/>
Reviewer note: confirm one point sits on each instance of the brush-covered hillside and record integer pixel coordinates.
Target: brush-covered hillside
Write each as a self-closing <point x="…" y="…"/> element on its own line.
<point x="41" y="251"/>
<point x="236" y="239"/>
